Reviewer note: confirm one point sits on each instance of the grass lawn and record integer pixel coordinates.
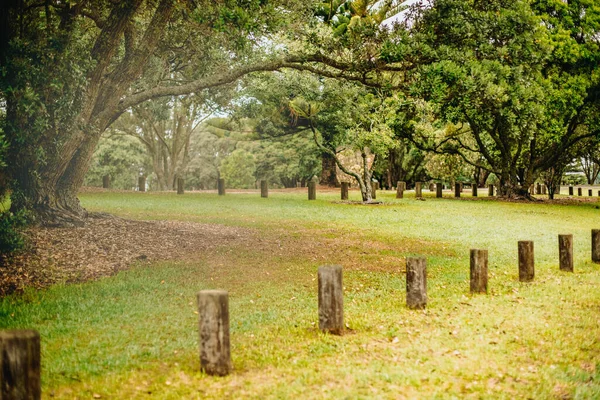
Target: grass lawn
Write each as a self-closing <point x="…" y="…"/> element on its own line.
<point x="134" y="335"/>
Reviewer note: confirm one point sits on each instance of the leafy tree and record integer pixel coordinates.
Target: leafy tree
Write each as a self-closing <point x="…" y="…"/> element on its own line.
<point x="238" y="170"/>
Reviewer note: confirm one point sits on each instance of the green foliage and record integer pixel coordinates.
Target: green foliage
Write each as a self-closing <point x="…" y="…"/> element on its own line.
<point x="11" y="226"/>
<point x="238" y="170"/>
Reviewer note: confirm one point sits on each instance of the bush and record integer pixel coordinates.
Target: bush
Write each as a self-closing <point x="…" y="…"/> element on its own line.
<point x="11" y="235"/>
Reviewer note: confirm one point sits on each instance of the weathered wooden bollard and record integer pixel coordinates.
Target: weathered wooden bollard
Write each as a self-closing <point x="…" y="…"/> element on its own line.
<point x="479" y="271"/>
<point x="596" y="245"/>
<point x="374" y="190"/>
<point x="565" y="252"/>
<point x="490" y="190"/>
<point x="457" y="190"/>
<point x="331" y="299"/>
<point x="106" y="181"/>
<point x="213" y="311"/>
<point x="579" y="192"/>
<point x="20" y="365"/>
<point x="526" y="266"/>
<point x="180" y="184"/>
<point x="474" y="189"/>
<point x="221" y="187"/>
<point x="142" y="184"/>
<point x="570" y="190"/>
<point x="416" y="282"/>
<point x="264" y="189"/>
<point x="401" y="186"/>
<point x="418" y="189"/>
<point x="312" y="190"/>
<point x="344" y="191"/>
<point x="438" y="190"/>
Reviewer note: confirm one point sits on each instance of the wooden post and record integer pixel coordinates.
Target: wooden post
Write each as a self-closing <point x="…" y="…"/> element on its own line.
<point x="312" y="190"/>
<point x="565" y="252"/>
<point x="570" y="190"/>
<point x="344" y="190"/>
<point x="142" y="183"/>
<point x="180" y="183"/>
<point x="221" y="187"/>
<point x="418" y="190"/>
<point x="474" y="189"/>
<point x="264" y="189"/>
<point x="526" y="267"/>
<point x="416" y="282"/>
<point x="596" y="245"/>
<point x="479" y="271"/>
<point x="374" y="190"/>
<point x="213" y="312"/>
<point x="20" y="365"/>
<point x="598" y="193"/>
<point x="438" y="190"/>
<point x="490" y="190"/>
<point x="401" y="186"/>
<point x="331" y="299"/>
<point x="457" y="190"/>
<point x="106" y="181"/>
<point x="579" y="192"/>
<point x="590" y="192"/>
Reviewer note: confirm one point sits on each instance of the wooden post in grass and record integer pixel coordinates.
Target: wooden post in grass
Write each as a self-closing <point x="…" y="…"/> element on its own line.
<point x="596" y="245"/>
<point x="180" y="183"/>
<point x="401" y="186"/>
<point x="344" y="191"/>
<point x="331" y="299"/>
<point x="579" y="192"/>
<point x="213" y="312"/>
<point x="490" y="190"/>
<point x="20" y="365"/>
<point x="221" y="187"/>
<point x="264" y="189"/>
<point x="106" y="181"/>
<point x="590" y="192"/>
<point x="457" y="190"/>
<point x="416" y="282"/>
<point x="142" y="183"/>
<point x="526" y="267"/>
<point x="474" y="189"/>
<point x="565" y="252"/>
<point x="438" y="190"/>
<point x="312" y="190"/>
<point x="374" y="190"/>
<point x="479" y="271"/>
<point x="418" y="189"/>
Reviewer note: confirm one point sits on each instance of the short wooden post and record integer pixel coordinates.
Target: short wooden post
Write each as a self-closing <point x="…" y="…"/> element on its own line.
<point x="526" y="267"/>
<point x="374" y="190"/>
<point x="344" y="191"/>
<point x="474" y="189"/>
<point x="264" y="189"/>
<point x="106" y="181"/>
<point x="479" y="271"/>
<point x="401" y="186"/>
<point x="490" y="190"/>
<point x="213" y="311"/>
<point x="570" y="190"/>
<point x="457" y="190"/>
<point x="180" y="183"/>
<point x="312" y="190"/>
<point x="596" y="245"/>
<point x="438" y="190"/>
<point x="142" y="183"/>
<point x="416" y="282"/>
<point x="579" y="192"/>
<point x="565" y="252"/>
<point x="418" y="189"/>
<point x="331" y="299"/>
<point x="221" y="187"/>
<point x="590" y="192"/>
<point x="20" y="365"/>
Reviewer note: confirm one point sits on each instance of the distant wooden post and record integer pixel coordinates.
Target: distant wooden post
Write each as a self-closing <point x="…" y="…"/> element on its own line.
<point x="490" y="190"/>
<point x="565" y="252"/>
<point x="474" y="189"/>
<point x="457" y="190"/>
<point x="344" y="191"/>
<point x="590" y="192"/>
<point x="180" y="183"/>
<point x="598" y="193"/>
<point x="106" y="181"/>
<point x="264" y="189"/>
<point x="142" y="183"/>
<point x="596" y="245"/>
<point x="438" y="190"/>
<point x="221" y="187"/>
<point x="570" y="190"/>
<point x="526" y="267"/>
<point x="213" y="312"/>
<point x="312" y="190"/>
<point x="331" y="299"/>
<point x="418" y="189"/>
<point x="579" y="192"/>
<point x="20" y="365"/>
<point x="374" y="190"/>
<point x="416" y="282"/>
<point x="401" y="186"/>
<point x="479" y="271"/>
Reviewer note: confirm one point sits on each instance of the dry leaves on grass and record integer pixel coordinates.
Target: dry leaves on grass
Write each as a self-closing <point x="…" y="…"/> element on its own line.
<point x="105" y="246"/>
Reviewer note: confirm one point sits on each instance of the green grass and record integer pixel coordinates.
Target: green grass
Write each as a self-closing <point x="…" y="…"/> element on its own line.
<point x="136" y="333"/>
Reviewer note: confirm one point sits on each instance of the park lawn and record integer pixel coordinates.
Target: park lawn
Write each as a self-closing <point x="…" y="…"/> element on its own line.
<point x="135" y="334"/>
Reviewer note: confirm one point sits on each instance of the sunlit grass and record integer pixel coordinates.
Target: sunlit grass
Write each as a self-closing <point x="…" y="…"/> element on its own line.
<point x="135" y="333"/>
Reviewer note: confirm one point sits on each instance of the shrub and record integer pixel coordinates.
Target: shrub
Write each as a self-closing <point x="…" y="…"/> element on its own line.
<point x="11" y="235"/>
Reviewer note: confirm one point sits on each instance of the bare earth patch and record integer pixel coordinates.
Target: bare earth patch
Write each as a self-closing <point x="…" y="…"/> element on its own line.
<point x="105" y="246"/>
